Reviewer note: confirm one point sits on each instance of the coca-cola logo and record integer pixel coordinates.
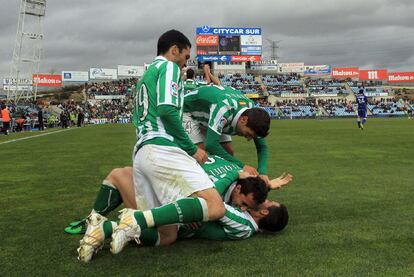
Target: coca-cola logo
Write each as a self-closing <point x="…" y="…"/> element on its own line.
<point x="207" y="40"/>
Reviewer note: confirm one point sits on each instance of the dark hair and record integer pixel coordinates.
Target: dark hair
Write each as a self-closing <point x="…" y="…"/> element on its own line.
<point x="256" y="186"/>
<point x="190" y="73"/>
<point x="171" y="38"/>
<point x="259" y="121"/>
<point x="361" y="90"/>
<point x="276" y="220"/>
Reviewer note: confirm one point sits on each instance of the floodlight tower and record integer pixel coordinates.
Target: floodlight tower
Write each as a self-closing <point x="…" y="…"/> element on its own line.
<point x="273" y="47"/>
<point x="27" y="49"/>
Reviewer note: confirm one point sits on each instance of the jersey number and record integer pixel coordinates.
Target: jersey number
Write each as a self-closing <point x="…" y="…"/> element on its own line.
<point x="142" y="102"/>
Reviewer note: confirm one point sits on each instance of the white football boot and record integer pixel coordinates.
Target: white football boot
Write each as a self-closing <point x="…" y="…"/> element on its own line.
<point x="94" y="237"/>
<point x="127" y="230"/>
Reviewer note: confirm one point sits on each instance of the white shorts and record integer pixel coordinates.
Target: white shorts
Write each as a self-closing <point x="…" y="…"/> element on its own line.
<point x="164" y="174"/>
<point x="198" y="132"/>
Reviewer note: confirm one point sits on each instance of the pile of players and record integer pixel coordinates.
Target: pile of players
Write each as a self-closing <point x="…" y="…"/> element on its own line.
<point x="185" y="181"/>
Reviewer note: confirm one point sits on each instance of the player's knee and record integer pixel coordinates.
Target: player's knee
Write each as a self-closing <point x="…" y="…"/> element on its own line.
<point x="113" y="175"/>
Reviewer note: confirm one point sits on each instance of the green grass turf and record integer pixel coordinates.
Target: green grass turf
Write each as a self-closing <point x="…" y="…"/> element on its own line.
<point x="350" y="205"/>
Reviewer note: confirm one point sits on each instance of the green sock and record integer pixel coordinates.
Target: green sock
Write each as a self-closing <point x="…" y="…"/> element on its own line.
<point x="108" y="199"/>
<point x="150" y="237"/>
<point x="184" y="210"/>
<point x="108" y="227"/>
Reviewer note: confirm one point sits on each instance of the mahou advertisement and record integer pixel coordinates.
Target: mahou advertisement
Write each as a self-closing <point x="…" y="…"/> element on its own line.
<point x="401" y="77"/>
<point x="345" y="72"/>
<point x="47" y="80"/>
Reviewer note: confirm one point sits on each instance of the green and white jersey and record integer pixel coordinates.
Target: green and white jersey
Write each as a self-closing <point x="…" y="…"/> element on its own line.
<point x="235" y="225"/>
<point x="190" y="85"/>
<point x="160" y="85"/>
<point x="216" y="107"/>
<point x="238" y="224"/>
<point x="223" y="173"/>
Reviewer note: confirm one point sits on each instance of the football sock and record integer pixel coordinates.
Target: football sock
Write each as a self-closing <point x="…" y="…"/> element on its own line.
<point x="363" y="121"/>
<point x="150" y="237"/>
<point x="184" y="210"/>
<point x="108" y="228"/>
<point x="108" y="199"/>
<point x="359" y="124"/>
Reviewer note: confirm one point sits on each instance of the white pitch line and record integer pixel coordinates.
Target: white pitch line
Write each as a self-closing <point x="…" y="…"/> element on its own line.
<point x="41" y="135"/>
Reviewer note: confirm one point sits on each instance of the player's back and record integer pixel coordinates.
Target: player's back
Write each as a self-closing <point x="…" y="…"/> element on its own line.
<point x="158" y="86"/>
<point x="361" y="101"/>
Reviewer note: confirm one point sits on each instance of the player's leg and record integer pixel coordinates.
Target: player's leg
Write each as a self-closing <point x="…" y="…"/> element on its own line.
<point x="171" y="177"/>
<point x="122" y="179"/>
<point x="359" y="119"/>
<point x="109" y="196"/>
<point x="117" y="188"/>
<point x="98" y="226"/>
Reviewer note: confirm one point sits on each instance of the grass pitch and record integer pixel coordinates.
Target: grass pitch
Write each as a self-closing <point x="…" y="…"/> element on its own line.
<point x="350" y="204"/>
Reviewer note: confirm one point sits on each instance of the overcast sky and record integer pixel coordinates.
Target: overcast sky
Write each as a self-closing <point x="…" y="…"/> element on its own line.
<point x="79" y="34"/>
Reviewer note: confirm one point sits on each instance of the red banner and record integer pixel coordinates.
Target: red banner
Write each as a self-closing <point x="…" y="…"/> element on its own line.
<point x="47" y="80"/>
<point x="345" y="72"/>
<point x="375" y="74"/>
<point x="207" y="40"/>
<point x="246" y="58"/>
<point x="401" y="77"/>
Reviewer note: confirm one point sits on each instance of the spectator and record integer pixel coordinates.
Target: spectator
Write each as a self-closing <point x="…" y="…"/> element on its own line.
<point x="40" y="119"/>
<point x="5" y="116"/>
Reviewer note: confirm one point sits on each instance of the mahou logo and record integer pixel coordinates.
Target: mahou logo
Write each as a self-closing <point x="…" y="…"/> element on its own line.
<point x="207" y="40"/>
<point x="351" y="72"/>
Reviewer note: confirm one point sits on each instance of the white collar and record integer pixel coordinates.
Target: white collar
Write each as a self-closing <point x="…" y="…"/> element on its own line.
<point x="227" y="196"/>
<point x="236" y="118"/>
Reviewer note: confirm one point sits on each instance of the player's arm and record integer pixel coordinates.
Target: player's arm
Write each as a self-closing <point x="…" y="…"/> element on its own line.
<point x="167" y="103"/>
<point x="262" y="157"/>
<point x="210" y="78"/>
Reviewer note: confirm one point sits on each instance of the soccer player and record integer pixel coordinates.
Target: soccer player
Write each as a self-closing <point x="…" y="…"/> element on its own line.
<point x="165" y="167"/>
<point x="217" y="113"/>
<point x="362" y="102"/>
<point x="246" y="193"/>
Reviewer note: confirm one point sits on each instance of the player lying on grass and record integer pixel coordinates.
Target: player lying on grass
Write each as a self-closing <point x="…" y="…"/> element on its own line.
<point x="212" y="114"/>
<point x="270" y="216"/>
<point x="244" y="193"/>
<point x="223" y="173"/>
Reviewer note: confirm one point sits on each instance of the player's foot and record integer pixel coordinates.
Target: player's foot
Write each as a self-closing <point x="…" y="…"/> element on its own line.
<point x="127" y="230"/>
<point x="94" y="237"/>
<point x="76" y="227"/>
<point x="362" y="126"/>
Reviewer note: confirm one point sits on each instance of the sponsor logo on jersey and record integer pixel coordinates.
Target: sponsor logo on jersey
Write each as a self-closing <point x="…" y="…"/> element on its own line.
<point x="242" y="103"/>
<point x="222" y="123"/>
<point x="174" y="89"/>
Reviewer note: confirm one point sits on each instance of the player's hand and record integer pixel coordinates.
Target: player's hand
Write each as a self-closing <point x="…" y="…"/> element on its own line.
<point x="201" y="156"/>
<point x="281" y="181"/>
<point x="265" y="178"/>
<point x="244" y="174"/>
<point x="194" y="225"/>
<point x="251" y="170"/>
<point x="206" y="68"/>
